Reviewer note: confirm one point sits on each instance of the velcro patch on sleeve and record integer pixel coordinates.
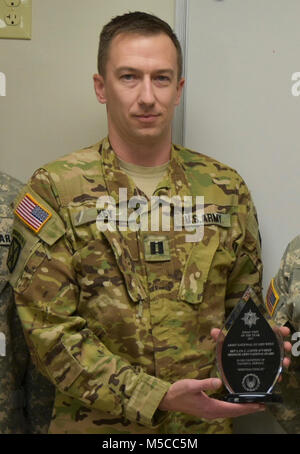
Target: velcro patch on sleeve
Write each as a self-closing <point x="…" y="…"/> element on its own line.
<point x="32" y="213"/>
<point x="272" y="298"/>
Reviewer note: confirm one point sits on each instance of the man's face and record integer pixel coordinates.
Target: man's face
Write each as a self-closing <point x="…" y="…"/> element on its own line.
<point x="140" y="87"/>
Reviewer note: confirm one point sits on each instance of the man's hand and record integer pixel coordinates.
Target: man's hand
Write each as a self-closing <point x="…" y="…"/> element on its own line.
<point x="287" y="346"/>
<point x="188" y="396"/>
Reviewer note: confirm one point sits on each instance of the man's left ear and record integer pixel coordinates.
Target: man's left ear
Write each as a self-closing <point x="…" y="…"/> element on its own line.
<point x="99" y="87"/>
<point x="179" y="90"/>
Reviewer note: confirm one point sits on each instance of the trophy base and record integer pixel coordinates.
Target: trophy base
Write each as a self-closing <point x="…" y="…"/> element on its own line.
<point x="247" y="398"/>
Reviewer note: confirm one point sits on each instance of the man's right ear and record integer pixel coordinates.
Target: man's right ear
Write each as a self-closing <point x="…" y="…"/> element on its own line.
<point x="99" y="86"/>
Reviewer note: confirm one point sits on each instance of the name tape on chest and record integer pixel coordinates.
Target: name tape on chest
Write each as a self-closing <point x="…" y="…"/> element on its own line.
<point x="220" y="219"/>
<point x="188" y="220"/>
<point x="32" y="213"/>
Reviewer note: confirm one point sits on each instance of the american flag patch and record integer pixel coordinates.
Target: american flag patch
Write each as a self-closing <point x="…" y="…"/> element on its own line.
<point x="272" y="298"/>
<point x="32" y="213"/>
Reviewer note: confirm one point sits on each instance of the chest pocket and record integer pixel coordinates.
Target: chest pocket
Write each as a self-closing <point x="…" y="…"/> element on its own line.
<point x="110" y="249"/>
<point x="209" y="259"/>
<point x="5" y="240"/>
<point x="197" y="267"/>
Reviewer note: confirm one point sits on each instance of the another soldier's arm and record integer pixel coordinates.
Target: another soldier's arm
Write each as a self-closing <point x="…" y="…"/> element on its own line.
<point x="65" y="349"/>
<point x="283" y="297"/>
<point x="283" y="304"/>
<point x="13" y="363"/>
<point x="13" y="351"/>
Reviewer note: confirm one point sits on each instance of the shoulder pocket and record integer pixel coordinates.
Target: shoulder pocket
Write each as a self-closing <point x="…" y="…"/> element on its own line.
<point x="26" y="240"/>
<point x="294" y="287"/>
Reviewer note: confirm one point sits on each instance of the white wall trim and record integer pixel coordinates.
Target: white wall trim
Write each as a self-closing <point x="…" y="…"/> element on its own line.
<point x="181" y="14"/>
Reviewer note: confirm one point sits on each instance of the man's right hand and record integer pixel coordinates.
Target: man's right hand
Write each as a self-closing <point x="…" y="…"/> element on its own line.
<point x="188" y="396"/>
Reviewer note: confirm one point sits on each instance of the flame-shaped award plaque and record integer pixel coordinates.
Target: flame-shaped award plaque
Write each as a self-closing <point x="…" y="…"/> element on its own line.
<point x="249" y="353"/>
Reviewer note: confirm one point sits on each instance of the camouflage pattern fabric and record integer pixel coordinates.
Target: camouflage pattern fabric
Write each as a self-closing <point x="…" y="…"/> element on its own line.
<point x="108" y="324"/>
<point x="26" y="398"/>
<point x="283" y="300"/>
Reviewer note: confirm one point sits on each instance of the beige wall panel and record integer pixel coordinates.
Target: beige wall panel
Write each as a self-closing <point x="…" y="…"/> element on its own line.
<point x="240" y="108"/>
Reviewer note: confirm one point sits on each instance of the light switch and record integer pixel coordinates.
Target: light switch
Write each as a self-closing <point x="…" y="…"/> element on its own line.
<point x="15" y="19"/>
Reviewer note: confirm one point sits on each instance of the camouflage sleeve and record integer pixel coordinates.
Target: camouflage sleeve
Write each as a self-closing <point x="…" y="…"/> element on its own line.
<point x="283" y="298"/>
<point x="247" y="269"/>
<point x="26" y="394"/>
<point x="39" y="398"/>
<point x="283" y="304"/>
<point x="15" y="389"/>
<point x="64" y="348"/>
<point x="13" y="363"/>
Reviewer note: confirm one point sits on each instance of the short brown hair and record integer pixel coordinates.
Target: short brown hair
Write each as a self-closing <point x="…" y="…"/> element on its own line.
<point x="136" y="22"/>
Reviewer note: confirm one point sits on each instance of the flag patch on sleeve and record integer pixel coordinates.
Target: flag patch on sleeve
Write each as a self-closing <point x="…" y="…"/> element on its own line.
<point x="272" y="298"/>
<point x="32" y="213"/>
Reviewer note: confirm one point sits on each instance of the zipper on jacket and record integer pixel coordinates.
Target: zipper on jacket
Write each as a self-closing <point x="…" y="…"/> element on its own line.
<point x="140" y="309"/>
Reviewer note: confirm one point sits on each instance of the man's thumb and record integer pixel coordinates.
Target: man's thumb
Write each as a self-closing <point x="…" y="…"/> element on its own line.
<point x="210" y="384"/>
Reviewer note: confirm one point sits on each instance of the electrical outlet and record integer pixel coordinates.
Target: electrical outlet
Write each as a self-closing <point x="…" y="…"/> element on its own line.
<point x="15" y="19"/>
<point x="12" y="19"/>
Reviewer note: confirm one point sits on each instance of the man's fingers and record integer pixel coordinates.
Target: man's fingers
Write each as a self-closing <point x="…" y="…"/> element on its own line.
<point x="215" y="333"/>
<point x="229" y="410"/>
<point x="287" y="346"/>
<point x="208" y="384"/>
<point x="285" y="331"/>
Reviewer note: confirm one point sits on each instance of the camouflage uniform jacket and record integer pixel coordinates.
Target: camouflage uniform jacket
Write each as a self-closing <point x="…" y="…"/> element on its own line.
<point x="283" y="304"/>
<point x="110" y="324"/>
<point x="26" y="398"/>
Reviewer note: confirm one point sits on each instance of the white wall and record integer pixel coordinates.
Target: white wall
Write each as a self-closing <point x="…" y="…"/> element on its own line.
<point x="50" y="108"/>
<point x="240" y="109"/>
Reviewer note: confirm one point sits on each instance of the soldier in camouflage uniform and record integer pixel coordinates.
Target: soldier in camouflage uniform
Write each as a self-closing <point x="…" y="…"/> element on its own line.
<point x="120" y="320"/>
<point x="26" y="398"/>
<point x="283" y="304"/>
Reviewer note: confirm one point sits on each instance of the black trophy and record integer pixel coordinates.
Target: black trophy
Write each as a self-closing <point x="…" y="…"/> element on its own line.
<point x="249" y="353"/>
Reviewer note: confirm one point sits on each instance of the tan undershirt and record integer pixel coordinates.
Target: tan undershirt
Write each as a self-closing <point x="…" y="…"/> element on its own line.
<point x="145" y="178"/>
